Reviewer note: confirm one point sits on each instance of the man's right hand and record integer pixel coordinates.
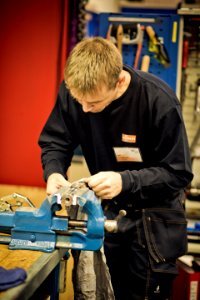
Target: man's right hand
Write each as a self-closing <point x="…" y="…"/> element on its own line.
<point x="54" y="182"/>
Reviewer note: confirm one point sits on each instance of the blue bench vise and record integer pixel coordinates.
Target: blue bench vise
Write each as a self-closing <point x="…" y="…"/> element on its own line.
<point x="43" y="229"/>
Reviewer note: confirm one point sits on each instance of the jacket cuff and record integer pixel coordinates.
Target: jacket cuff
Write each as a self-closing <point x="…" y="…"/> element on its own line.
<point x="53" y="167"/>
<point x="127" y="182"/>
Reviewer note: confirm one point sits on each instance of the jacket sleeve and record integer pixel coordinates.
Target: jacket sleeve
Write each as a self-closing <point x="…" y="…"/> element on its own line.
<point x="169" y="170"/>
<point x="56" y="142"/>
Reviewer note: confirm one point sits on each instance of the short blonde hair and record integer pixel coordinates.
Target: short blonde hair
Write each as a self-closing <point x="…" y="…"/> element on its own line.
<point x="93" y="62"/>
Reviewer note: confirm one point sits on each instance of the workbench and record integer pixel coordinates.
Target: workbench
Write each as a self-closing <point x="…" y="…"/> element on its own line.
<point x="42" y="273"/>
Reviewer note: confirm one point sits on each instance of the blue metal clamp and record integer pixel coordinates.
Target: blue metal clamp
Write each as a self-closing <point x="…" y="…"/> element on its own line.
<point x="41" y="229"/>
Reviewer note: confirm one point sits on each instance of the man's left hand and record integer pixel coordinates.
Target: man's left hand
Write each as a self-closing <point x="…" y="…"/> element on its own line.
<point x="106" y="185"/>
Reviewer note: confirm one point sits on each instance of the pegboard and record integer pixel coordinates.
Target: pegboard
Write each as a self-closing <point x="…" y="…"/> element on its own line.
<point x="166" y="27"/>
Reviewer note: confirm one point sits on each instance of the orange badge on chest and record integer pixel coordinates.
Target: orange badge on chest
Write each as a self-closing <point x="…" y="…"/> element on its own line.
<point x="128" y="138"/>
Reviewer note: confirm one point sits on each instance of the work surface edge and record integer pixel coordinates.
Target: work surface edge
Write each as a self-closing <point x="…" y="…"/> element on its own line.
<point x="36" y="274"/>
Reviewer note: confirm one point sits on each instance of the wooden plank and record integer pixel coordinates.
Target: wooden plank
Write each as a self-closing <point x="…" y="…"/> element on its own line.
<point x="17" y="258"/>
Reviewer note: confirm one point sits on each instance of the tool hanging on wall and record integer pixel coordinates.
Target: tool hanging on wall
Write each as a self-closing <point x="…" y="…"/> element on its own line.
<point x="127" y="34"/>
<point x="119" y="37"/>
<point x="157" y="47"/>
<point x="115" y="34"/>
<point x="145" y="63"/>
<point x="108" y="34"/>
<point x="139" y="42"/>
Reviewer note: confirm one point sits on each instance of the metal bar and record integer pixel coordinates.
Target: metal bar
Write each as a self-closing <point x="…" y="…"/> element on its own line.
<point x="129" y="19"/>
<point x="5" y="239"/>
<point x="77" y="223"/>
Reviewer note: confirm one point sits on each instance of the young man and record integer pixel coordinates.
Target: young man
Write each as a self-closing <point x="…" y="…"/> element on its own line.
<point x="132" y="135"/>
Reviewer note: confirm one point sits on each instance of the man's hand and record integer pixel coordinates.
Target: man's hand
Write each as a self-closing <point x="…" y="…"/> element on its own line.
<point x="106" y="185"/>
<point x="54" y="182"/>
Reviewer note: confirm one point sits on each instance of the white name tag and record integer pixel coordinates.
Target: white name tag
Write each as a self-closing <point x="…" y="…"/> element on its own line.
<point x="127" y="154"/>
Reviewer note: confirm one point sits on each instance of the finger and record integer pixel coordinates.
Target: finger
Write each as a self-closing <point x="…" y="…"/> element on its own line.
<point x="54" y="187"/>
<point x="101" y="188"/>
<point x="104" y="195"/>
<point x="67" y="183"/>
<point x="85" y="179"/>
<point x="95" y="182"/>
<point x="50" y="191"/>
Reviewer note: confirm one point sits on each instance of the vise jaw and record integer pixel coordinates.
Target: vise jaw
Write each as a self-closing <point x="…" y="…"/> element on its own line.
<point x="42" y="229"/>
